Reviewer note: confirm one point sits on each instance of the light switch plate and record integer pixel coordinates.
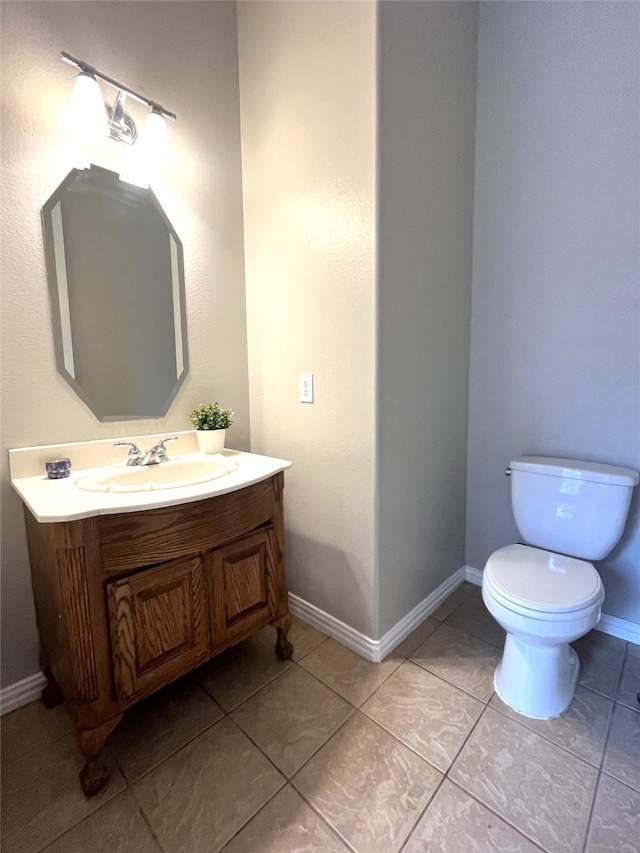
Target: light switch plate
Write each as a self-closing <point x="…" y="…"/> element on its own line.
<point x="306" y="387"/>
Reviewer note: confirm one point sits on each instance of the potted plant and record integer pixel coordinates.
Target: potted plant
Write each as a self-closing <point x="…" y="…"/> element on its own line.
<point x="211" y="423"/>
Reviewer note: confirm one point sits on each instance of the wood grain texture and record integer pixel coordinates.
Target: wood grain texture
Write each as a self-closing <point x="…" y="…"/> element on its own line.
<point x="133" y="539"/>
<point x="77" y="622"/>
<point x="158" y="624"/>
<point x="241" y="601"/>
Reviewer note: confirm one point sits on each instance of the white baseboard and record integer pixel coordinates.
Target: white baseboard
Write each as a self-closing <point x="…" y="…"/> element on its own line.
<point x="613" y="625"/>
<point x="473" y="575"/>
<point x="21" y="693"/>
<point x="375" y="650"/>
<point x="416" y="617"/>
<point x="619" y="628"/>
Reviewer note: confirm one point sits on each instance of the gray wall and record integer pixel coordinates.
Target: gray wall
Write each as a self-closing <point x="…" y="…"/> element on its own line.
<point x="555" y="359"/>
<point x="427" y="80"/>
<point x="184" y="55"/>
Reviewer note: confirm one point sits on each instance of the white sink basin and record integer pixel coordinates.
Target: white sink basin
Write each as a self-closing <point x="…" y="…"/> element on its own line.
<point x="166" y="475"/>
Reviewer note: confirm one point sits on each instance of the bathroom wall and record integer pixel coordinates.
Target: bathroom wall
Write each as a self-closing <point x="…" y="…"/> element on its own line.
<point x="427" y="83"/>
<point x="308" y="106"/>
<point x="185" y="56"/>
<point x="555" y="358"/>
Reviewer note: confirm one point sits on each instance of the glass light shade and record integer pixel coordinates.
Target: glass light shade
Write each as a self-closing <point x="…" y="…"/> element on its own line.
<point x="89" y="113"/>
<point x="155" y="138"/>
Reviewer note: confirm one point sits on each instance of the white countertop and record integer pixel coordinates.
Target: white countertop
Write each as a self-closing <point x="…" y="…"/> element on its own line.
<point x="61" y="500"/>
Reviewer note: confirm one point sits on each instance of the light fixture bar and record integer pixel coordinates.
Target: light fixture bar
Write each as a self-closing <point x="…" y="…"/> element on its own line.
<point x="89" y="69"/>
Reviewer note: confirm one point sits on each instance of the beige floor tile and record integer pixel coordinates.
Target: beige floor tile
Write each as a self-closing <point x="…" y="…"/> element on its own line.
<point x="368" y="786"/>
<point x="615" y="824"/>
<point x="42" y="797"/>
<point x="582" y="729"/>
<point x="242" y="670"/>
<point x="622" y="755"/>
<point x="472" y="617"/>
<point x="117" y="827"/>
<point x="292" y="717"/>
<point x="157" y="727"/>
<point x="600" y="663"/>
<point x="346" y="672"/>
<point x="199" y="798"/>
<point x="450" y="603"/>
<point x="630" y="683"/>
<point x="603" y="639"/>
<point x="408" y="646"/>
<point x="542" y="790"/>
<point x="304" y="638"/>
<point x="426" y="713"/>
<point x="456" y="823"/>
<point x="286" y="825"/>
<point x="460" y="659"/>
<point x="31" y="727"/>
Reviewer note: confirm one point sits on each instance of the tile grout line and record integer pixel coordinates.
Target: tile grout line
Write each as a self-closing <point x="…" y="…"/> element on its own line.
<point x="504" y="818"/>
<point x="500" y="817"/>
<point x="604" y="752"/>
<point x="421" y="815"/>
<point x="599" y="776"/>
<point x="445" y="776"/>
<point x="318" y="814"/>
<point x="507" y="716"/>
<point x="601" y="770"/>
<point x="148" y="824"/>
<point x="170" y="755"/>
<point x="450" y="683"/>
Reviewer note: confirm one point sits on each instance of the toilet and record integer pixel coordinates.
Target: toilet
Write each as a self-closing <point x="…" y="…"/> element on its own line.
<point x="546" y="593"/>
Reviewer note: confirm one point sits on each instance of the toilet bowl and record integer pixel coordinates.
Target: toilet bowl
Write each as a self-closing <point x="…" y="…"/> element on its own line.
<point x="545" y="593"/>
<point x="544" y="601"/>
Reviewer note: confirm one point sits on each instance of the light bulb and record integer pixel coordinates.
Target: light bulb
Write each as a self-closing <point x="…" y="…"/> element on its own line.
<point x="89" y="113"/>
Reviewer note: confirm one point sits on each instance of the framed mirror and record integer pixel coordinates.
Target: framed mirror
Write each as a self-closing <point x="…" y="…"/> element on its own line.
<point x="115" y="272"/>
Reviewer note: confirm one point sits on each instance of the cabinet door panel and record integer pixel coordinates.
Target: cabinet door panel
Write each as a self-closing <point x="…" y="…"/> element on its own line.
<point x="242" y="587"/>
<point x="159" y="626"/>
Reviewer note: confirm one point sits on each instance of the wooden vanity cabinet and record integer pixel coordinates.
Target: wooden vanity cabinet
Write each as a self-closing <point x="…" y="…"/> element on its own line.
<point x="127" y="603"/>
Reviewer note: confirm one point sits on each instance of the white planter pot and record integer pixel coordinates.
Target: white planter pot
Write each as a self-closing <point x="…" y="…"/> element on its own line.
<point x="211" y="440"/>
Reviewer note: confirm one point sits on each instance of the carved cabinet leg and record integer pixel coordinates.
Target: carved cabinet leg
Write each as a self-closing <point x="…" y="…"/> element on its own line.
<point x="284" y="649"/>
<point x="51" y="694"/>
<point x="95" y="773"/>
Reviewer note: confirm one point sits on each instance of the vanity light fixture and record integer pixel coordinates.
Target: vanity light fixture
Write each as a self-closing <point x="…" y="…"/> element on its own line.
<point x="101" y="120"/>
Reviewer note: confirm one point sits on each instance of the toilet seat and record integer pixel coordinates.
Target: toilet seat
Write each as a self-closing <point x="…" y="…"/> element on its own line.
<point x="541" y="584"/>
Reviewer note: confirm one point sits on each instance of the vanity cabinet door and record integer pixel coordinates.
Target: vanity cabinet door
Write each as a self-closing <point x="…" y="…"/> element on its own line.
<point x="242" y="582"/>
<point x="159" y="625"/>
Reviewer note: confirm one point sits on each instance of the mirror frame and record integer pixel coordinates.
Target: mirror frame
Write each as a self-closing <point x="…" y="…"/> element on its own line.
<point x="59" y="332"/>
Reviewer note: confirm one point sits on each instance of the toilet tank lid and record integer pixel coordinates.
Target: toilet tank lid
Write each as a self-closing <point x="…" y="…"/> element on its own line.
<point x="574" y="469"/>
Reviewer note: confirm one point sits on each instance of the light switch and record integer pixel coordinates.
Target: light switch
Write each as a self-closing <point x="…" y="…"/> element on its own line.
<point x="306" y="387"/>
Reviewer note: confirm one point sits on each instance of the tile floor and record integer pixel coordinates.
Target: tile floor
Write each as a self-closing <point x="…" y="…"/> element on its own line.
<point x="329" y="753"/>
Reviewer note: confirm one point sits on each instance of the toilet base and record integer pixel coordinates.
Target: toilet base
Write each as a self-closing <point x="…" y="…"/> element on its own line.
<point x="538" y="681"/>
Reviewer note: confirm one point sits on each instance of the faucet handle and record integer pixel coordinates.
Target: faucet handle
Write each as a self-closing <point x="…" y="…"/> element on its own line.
<point x="161" y="444"/>
<point x="159" y="450"/>
<point x="134" y="451"/>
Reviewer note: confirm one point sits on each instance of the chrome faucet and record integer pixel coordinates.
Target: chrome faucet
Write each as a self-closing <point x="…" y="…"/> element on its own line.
<point x="153" y="456"/>
<point x="135" y="457"/>
<point x="158" y="452"/>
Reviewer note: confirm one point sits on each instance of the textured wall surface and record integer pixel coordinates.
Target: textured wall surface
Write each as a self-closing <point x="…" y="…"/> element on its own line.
<point x="308" y="95"/>
<point x="427" y="85"/>
<point x="185" y="56"/>
<point x="555" y="358"/>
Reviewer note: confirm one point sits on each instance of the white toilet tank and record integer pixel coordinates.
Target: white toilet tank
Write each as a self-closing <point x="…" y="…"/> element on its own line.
<point x="571" y="507"/>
